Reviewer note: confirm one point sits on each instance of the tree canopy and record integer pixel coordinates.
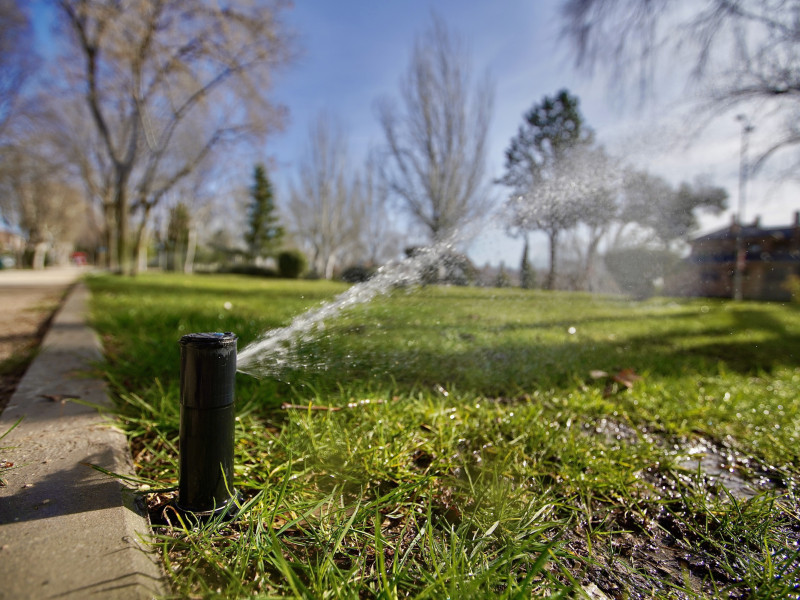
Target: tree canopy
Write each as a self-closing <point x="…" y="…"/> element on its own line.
<point x="165" y="83"/>
<point x="17" y="60"/>
<point x="555" y="173"/>
<point x="671" y="214"/>
<point x="551" y="130"/>
<point x="743" y="54"/>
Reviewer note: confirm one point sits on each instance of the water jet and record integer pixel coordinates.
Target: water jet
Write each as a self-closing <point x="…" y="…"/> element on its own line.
<point x="205" y="482"/>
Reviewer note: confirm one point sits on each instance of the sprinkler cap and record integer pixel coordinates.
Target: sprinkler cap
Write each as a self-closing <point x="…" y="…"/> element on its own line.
<point x="208" y="370"/>
<point x="209" y="340"/>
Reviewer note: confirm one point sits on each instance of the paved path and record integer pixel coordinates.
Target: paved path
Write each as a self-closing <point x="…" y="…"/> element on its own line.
<point x="66" y="530"/>
<point x="27" y="300"/>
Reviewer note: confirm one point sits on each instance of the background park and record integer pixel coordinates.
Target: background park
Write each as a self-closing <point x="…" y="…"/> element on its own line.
<point x="500" y="401"/>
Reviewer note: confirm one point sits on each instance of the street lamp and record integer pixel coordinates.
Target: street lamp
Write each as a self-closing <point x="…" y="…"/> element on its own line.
<point x="741" y="253"/>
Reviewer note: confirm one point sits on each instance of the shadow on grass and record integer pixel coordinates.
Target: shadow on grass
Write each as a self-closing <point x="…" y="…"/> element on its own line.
<point x="755" y="342"/>
<point x="452" y="337"/>
<point x="217" y="286"/>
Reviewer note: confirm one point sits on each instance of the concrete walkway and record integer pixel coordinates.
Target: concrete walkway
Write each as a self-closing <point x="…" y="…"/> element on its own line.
<point x="67" y="530"/>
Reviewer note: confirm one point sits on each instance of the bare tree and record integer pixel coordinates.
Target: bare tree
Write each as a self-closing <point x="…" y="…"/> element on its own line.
<point x="47" y="207"/>
<point x="600" y="177"/>
<point x="61" y="123"/>
<point x="745" y="53"/>
<point x="379" y="239"/>
<point x="436" y="142"/>
<point x="324" y="216"/>
<point x="155" y="74"/>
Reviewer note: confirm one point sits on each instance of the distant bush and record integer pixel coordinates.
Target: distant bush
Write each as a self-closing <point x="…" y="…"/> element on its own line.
<point x="792" y="285"/>
<point x="451" y="268"/>
<point x="251" y="270"/>
<point x="292" y="264"/>
<point x="503" y="279"/>
<point x="636" y="269"/>
<point x="357" y="274"/>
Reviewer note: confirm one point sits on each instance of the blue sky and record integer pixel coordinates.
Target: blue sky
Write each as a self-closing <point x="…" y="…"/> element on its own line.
<point x="355" y="51"/>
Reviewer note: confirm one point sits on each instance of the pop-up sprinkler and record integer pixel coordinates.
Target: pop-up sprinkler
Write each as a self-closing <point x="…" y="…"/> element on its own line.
<point x="208" y="371"/>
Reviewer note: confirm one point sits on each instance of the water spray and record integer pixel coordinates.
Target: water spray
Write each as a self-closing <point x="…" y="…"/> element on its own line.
<point x="273" y="350"/>
<point x="208" y="370"/>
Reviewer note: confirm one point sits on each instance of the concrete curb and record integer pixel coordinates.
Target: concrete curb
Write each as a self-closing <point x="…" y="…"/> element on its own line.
<point x="67" y="530"/>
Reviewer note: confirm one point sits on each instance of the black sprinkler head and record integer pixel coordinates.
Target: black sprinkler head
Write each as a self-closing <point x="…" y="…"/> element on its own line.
<point x="208" y="371"/>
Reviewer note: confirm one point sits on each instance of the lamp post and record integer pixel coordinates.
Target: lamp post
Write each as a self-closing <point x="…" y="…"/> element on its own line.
<point x="741" y="253"/>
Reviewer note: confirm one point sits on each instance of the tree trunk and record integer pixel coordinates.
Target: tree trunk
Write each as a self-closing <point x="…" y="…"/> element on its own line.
<point x="588" y="268"/>
<point x="123" y="254"/>
<point x="551" y="274"/>
<point x="110" y="225"/>
<point x="330" y="266"/>
<point x="141" y="258"/>
<point x="191" y="246"/>
<point x="140" y="248"/>
<point x="39" y="254"/>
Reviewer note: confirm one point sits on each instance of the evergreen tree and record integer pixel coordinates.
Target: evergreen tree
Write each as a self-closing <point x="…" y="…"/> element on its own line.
<point x="502" y="280"/>
<point x="265" y="235"/>
<point x="550" y="132"/>
<point x="542" y="162"/>
<point x="527" y="276"/>
<point x="180" y="222"/>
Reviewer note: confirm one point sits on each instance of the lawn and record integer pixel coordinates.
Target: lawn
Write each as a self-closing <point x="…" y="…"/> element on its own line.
<point x="467" y="442"/>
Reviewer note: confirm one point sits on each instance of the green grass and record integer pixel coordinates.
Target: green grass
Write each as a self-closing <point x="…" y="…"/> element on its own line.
<point x="477" y="450"/>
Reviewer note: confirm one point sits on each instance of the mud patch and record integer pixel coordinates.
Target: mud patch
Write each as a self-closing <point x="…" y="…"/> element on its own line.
<point x="740" y="475"/>
<point x="706" y="521"/>
<point x="685" y="548"/>
<point x="718" y="463"/>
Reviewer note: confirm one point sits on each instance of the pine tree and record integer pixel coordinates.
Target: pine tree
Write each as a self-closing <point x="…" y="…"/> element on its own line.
<point x="540" y="169"/>
<point x="180" y="222"/>
<point x="527" y="276"/>
<point x="265" y="235"/>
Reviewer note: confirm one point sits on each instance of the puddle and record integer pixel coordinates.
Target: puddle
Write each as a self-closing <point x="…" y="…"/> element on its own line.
<point x="612" y="431"/>
<point x="737" y="473"/>
<point x="717" y="463"/>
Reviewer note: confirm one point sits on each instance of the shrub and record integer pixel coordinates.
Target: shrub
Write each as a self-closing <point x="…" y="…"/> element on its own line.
<point x="636" y="269"/>
<point x="451" y="268"/>
<point x="292" y="264"/>
<point x="792" y="285"/>
<point x="252" y="270"/>
<point x="357" y="274"/>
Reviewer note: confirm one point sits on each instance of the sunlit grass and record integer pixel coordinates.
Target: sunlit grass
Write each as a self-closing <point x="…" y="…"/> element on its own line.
<point x="483" y="441"/>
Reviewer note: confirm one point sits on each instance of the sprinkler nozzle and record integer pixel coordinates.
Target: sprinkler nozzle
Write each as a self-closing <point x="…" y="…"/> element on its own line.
<point x="208" y="371"/>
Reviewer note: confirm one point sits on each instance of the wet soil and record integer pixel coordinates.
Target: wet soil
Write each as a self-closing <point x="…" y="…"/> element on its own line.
<point x="684" y="530"/>
<point x="661" y="543"/>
